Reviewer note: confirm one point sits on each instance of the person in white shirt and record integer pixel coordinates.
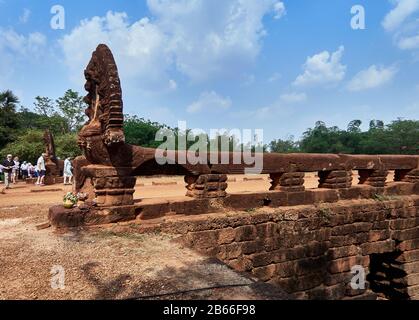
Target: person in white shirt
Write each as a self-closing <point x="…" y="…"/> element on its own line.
<point x="15" y="170"/>
<point x="68" y="171"/>
<point x="24" y="170"/>
<point x="1" y="173"/>
<point x="31" y="170"/>
<point x="40" y="166"/>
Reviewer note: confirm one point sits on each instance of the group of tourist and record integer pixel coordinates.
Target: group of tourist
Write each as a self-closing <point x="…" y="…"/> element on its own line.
<point x="11" y="170"/>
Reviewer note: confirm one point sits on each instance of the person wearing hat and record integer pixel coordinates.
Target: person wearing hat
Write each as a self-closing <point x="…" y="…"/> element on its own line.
<point x="8" y="165"/>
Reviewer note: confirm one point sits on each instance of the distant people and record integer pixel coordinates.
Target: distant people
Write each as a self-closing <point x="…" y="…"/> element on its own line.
<point x="36" y="173"/>
<point x="41" y="169"/>
<point x="24" y="170"/>
<point x="1" y="173"/>
<point x="68" y="171"/>
<point x="8" y="165"/>
<point x="30" y="170"/>
<point x="15" y="170"/>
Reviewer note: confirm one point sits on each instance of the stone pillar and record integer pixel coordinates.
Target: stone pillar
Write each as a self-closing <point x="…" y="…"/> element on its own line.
<point x="287" y="182"/>
<point x="110" y="186"/>
<point x="206" y="186"/>
<point x="52" y="172"/>
<point x="339" y="179"/>
<point x="374" y="178"/>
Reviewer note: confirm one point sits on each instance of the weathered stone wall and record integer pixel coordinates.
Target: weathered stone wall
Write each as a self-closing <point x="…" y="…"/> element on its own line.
<point x="310" y="250"/>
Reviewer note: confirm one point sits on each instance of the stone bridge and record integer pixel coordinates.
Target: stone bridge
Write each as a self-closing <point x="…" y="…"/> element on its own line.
<point x="307" y="241"/>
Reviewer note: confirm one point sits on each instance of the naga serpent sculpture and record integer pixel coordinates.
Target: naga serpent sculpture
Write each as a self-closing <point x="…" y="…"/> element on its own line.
<point x="104" y="129"/>
<point x="103" y="143"/>
<point x="107" y="172"/>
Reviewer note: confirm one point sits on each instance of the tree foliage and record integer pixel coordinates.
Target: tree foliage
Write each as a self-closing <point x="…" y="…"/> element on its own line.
<point x="398" y="137"/>
<point x="72" y="108"/>
<point x="8" y="116"/>
<point x="21" y="132"/>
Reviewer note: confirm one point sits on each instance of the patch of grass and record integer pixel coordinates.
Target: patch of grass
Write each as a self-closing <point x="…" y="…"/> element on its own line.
<point x="250" y="210"/>
<point x="325" y="214"/>
<point x="382" y="197"/>
<point x="125" y="235"/>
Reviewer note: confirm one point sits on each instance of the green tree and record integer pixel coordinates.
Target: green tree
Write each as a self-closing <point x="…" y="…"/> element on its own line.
<point x="284" y="146"/>
<point x="66" y="146"/>
<point x="28" y="146"/>
<point x="72" y="108"/>
<point x="404" y="137"/>
<point x="354" y="126"/>
<point x="141" y="132"/>
<point x="31" y="120"/>
<point x="376" y="125"/>
<point x="8" y="117"/>
<point x="44" y="106"/>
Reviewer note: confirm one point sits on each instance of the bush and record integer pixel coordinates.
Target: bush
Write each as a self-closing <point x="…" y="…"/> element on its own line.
<point x="28" y="147"/>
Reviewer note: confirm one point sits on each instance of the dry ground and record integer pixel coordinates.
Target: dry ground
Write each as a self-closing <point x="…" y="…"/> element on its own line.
<point x="103" y="263"/>
<point x="106" y="264"/>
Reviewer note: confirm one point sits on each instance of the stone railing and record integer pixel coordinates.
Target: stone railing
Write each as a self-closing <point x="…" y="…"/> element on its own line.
<point x="287" y="172"/>
<point x="112" y="188"/>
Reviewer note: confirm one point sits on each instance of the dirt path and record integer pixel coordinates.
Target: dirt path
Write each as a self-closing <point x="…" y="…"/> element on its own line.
<point x="105" y="264"/>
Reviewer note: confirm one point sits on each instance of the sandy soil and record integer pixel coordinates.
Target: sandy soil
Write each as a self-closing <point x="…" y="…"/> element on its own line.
<point x="105" y="263"/>
<point x="108" y="264"/>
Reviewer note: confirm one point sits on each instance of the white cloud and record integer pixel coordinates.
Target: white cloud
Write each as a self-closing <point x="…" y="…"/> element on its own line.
<point x="403" y="9"/>
<point x="206" y="47"/>
<point x="293" y="97"/>
<point x="373" y="77"/>
<point x="210" y="102"/>
<point x="279" y="9"/>
<point x="322" y="69"/>
<point x="14" y="43"/>
<point x="24" y="18"/>
<point x="16" y="50"/>
<point x="403" y="22"/>
<point x="183" y="35"/>
<point x="409" y="43"/>
<point x="139" y="48"/>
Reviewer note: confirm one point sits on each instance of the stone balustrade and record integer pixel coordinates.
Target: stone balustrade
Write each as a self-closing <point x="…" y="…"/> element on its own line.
<point x="287" y="172"/>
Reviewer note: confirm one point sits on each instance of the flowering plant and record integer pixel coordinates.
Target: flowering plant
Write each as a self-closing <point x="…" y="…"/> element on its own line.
<point x="71" y="197"/>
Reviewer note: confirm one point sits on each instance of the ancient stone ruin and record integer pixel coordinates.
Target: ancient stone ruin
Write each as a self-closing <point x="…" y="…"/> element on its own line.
<point x="54" y="166"/>
<point x="305" y="240"/>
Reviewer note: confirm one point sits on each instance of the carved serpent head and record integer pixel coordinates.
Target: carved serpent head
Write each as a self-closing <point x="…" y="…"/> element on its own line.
<point x="104" y="98"/>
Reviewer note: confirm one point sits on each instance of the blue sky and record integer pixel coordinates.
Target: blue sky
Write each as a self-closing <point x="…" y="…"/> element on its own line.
<point x="247" y="64"/>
